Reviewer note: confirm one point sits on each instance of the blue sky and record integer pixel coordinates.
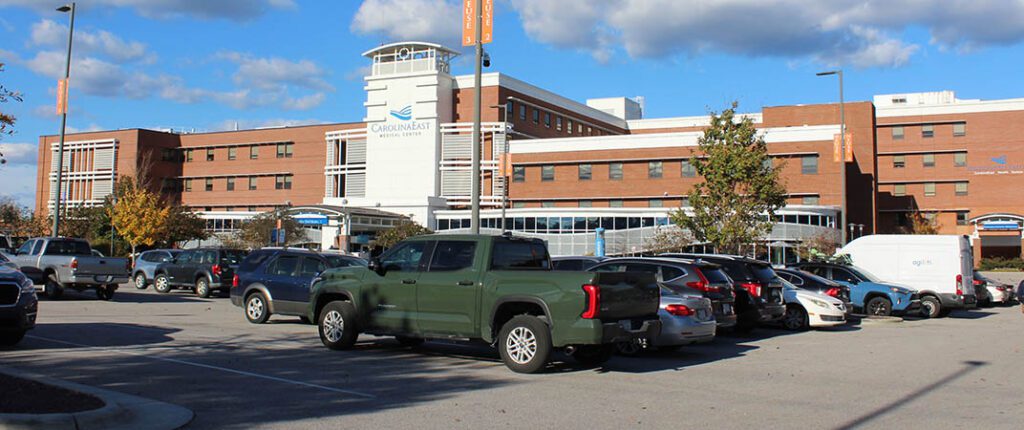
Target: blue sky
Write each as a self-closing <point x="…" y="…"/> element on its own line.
<point x="205" y="65"/>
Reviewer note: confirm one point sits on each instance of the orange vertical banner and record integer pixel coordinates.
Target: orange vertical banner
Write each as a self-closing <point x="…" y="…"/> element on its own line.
<point x="505" y="164"/>
<point x="468" y="22"/>
<point x="62" y="96"/>
<point x="487" y="30"/>
<point x="837" y="146"/>
<point x="849" y="147"/>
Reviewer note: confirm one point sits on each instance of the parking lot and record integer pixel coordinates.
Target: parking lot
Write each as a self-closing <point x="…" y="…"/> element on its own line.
<point x="202" y="354"/>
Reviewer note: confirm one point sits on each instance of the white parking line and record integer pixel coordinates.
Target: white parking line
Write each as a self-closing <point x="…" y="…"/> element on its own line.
<point x="208" y="366"/>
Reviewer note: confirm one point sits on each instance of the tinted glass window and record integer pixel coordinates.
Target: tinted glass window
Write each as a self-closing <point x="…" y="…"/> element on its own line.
<point x="37" y="248"/>
<point x="715" y="276"/>
<point x="737" y="271"/>
<point x="643" y="268"/>
<point x="452" y="255"/>
<point x="404" y="258"/>
<point x="669" y="273"/>
<point x="209" y="257"/>
<point x="343" y="261"/>
<point x="568" y="265"/>
<point x="763" y="272"/>
<point x="311" y="266"/>
<point x="520" y="255"/>
<point x="68" y="247"/>
<point x="26" y="247"/>
<point x="613" y="267"/>
<point x="284" y="266"/>
<point x="843" y="275"/>
<point x="253" y="261"/>
<point x="232" y="256"/>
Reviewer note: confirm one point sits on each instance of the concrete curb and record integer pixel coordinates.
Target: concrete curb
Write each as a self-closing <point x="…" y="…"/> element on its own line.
<point x="881" y="320"/>
<point x="122" y="411"/>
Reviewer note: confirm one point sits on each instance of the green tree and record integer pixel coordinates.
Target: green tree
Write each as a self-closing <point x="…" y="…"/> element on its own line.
<point x="17" y="220"/>
<point x="400" y="232"/>
<point x="256" y="232"/>
<point x="668" y="239"/>
<point x="183" y="225"/>
<point x="740" y="185"/>
<point x="138" y="214"/>
<point x="6" y="120"/>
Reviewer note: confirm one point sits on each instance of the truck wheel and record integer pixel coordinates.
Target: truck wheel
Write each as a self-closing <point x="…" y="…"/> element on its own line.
<point x="203" y="287"/>
<point x="629" y="349"/>
<point x="931" y="307"/>
<point x="409" y="341"/>
<point x="140" y="281"/>
<point x="524" y="344"/>
<point x="256" y="309"/>
<point x="795" y="318"/>
<point x="879" y="307"/>
<point x="594" y="355"/>
<point x="161" y="284"/>
<point x="52" y="288"/>
<point x="337" y="325"/>
<point x="105" y="292"/>
<point x="11" y="338"/>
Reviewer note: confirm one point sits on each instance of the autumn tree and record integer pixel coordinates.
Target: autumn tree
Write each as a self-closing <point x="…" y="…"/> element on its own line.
<point x="6" y="120"/>
<point x="138" y="214"/>
<point x="400" y="232"/>
<point x="256" y="232"/>
<point x="183" y="225"/>
<point x="17" y="220"/>
<point x="819" y="247"/>
<point x="740" y="185"/>
<point x="922" y="224"/>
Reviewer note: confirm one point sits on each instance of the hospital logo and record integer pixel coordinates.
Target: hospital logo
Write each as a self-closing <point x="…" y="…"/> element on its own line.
<point x="405" y="114"/>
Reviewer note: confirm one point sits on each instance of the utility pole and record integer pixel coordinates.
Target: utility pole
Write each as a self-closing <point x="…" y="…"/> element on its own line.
<point x="842" y="154"/>
<point x="63" y="119"/>
<point x="478" y="65"/>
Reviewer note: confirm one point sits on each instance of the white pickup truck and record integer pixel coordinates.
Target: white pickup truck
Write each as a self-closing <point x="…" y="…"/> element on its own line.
<point x="59" y="263"/>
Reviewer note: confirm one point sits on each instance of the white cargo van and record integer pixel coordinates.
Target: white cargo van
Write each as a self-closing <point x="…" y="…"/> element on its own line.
<point x="940" y="267"/>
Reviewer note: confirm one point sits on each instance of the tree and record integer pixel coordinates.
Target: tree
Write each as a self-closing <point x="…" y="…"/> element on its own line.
<point x="256" y="232"/>
<point x="922" y="224"/>
<point x="17" y="220"/>
<point x="819" y="247"/>
<point x="6" y="120"/>
<point x="138" y="214"/>
<point x="668" y="239"/>
<point x="402" y="231"/>
<point x="89" y="223"/>
<point x="183" y="225"/>
<point x="740" y="185"/>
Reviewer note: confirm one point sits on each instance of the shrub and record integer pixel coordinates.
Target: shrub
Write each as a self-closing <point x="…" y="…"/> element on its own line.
<point x="997" y="263"/>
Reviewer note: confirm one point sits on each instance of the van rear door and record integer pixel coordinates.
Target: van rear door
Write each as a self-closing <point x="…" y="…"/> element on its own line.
<point x="967" y="271"/>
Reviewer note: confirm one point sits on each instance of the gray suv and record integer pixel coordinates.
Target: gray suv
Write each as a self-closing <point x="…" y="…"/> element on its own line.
<point x="144" y="265"/>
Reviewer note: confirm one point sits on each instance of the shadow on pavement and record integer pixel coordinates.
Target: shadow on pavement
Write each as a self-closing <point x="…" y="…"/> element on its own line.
<point x="95" y="335"/>
<point x="970" y="315"/>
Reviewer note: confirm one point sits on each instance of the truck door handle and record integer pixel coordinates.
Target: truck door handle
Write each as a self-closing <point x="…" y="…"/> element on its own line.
<point x="465" y="283"/>
<point x="408" y="281"/>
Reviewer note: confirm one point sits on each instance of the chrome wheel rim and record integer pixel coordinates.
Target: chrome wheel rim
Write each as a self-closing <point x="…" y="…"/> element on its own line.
<point x="333" y="326"/>
<point x="878" y="309"/>
<point x="255" y="308"/>
<point x="929" y="308"/>
<point x="161" y="283"/>
<point x="521" y="345"/>
<point x="140" y="281"/>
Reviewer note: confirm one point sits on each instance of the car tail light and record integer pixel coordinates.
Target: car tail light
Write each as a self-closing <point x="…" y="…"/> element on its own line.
<point x="216" y="269"/>
<point x="977" y="282"/>
<point x="959" y="285"/>
<point x="702" y="284"/>
<point x="752" y="287"/>
<point x="74" y="264"/>
<point x="832" y="292"/>
<point x="679" y="310"/>
<point x="234" y="281"/>
<point x="593" y="297"/>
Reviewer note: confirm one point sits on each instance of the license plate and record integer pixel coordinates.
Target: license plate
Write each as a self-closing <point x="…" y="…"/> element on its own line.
<point x="727" y="309"/>
<point x="104" y="278"/>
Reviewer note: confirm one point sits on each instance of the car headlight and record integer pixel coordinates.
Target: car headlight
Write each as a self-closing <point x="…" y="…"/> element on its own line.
<point x="27" y="287"/>
<point x="820" y="303"/>
<point x="898" y="290"/>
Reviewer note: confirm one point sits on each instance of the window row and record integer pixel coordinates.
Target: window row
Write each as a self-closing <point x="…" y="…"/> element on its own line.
<point x="928" y="130"/>
<point x="281" y="182"/>
<point x="928" y="160"/>
<point x="557" y="225"/>
<point x="562" y="124"/>
<point x="903" y="219"/>
<point x="655" y="170"/>
<point x="283" y="150"/>
<point x="959" y="189"/>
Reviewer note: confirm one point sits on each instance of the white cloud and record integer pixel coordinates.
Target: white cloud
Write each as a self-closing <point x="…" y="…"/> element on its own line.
<point x="273" y="72"/>
<point x="19" y="183"/>
<point x="50" y="34"/>
<point x="237" y="10"/>
<point x="306" y="102"/>
<point x="399" y="20"/>
<point x="19" y="153"/>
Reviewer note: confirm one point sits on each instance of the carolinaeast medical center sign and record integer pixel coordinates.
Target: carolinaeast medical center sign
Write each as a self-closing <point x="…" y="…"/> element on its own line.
<point x="1000" y="165"/>
<point x="399" y="124"/>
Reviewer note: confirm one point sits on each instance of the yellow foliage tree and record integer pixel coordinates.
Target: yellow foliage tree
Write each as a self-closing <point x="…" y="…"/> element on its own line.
<point x="138" y="215"/>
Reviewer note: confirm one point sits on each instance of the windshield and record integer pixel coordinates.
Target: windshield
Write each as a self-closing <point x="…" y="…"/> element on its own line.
<point x="715" y="275"/>
<point x="864" y="274"/>
<point x="68" y="247"/>
<point x="341" y="261"/>
<point x="815" y="278"/>
<point x="763" y="273"/>
<point x="786" y="285"/>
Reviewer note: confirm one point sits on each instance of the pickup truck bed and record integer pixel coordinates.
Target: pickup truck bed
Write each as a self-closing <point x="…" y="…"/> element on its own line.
<point x="60" y="263"/>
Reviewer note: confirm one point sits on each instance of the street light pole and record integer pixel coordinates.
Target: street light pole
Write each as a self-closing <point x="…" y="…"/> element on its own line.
<point x="504" y="175"/>
<point x="63" y="120"/>
<point x="842" y="151"/>
<point x="475" y="175"/>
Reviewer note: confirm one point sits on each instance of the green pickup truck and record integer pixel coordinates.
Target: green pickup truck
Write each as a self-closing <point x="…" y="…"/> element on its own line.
<point x="499" y="289"/>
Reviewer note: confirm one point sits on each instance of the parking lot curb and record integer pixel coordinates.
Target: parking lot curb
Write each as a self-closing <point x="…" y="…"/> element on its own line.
<point x="120" y="411"/>
<point x="881" y="320"/>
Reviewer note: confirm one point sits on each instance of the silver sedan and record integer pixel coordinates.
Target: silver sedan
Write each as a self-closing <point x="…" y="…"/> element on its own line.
<point x="685" y="319"/>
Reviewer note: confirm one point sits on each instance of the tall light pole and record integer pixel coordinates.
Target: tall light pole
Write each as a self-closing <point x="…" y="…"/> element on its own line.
<point x="63" y="120"/>
<point x="842" y="151"/>
<point x="504" y="175"/>
<point x="475" y="175"/>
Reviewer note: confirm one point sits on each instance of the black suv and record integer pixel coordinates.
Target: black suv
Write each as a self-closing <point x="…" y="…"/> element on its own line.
<point x="276" y="281"/>
<point x="758" y="289"/>
<point x="204" y="270"/>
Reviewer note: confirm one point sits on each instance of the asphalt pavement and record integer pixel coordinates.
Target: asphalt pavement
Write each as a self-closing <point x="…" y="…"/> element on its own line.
<point x="948" y="373"/>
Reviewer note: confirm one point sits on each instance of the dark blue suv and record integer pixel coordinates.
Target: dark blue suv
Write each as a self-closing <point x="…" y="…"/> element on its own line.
<point x="276" y="281"/>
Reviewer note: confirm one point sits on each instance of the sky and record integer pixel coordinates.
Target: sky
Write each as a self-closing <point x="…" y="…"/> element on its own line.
<point x="209" y="65"/>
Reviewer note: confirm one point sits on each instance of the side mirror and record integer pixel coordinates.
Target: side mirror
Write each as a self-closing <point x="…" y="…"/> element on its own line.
<point x="376" y="267"/>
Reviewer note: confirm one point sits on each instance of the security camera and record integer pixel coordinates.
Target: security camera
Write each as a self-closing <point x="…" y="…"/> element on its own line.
<point x="487" y="60"/>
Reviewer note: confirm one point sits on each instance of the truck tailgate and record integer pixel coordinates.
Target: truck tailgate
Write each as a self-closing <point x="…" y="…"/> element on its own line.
<point x="625" y="295"/>
<point x="101" y="266"/>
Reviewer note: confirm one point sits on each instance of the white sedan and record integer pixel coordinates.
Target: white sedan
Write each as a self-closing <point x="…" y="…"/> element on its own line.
<point x="806" y="309"/>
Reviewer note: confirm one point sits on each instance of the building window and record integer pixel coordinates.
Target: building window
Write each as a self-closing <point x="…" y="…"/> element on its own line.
<point x="615" y="171"/>
<point x="615" y="203"/>
<point x="586" y="203"/>
<point x="547" y="204"/>
<point x="284" y="150"/>
<point x="231" y="184"/>
<point x="282" y="182"/>
<point x="579" y="128"/>
<point x="928" y="160"/>
<point x="961" y="188"/>
<point x="209" y="184"/>
<point x="209" y="154"/>
<point x="558" y="123"/>
<point x="899" y="161"/>
<point x="547" y="173"/>
<point x="960" y="129"/>
<point x="254" y="152"/>
<point x="518" y="205"/>
<point x="251" y="208"/>
<point x="899" y="190"/>
<point x="688" y="170"/>
<point x="522" y="112"/>
<point x="767" y="163"/>
<point x="568" y="126"/>
<point x="518" y="174"/>
<point x="547" y="119"/>
<point x="960" y="159"/>
<point x="811" y="200"/>
<point x="655" y="203"/>
<point x="585" y="172"/>
<point x="188" y="155"/>
<point x="232" y="153"/>
<point x="536" y="116"/>
<point x="928" y="130"/>
<point x="590" y="131"/>
<point x="510" y="109"/>
<point x="961" y="218"/>
<point x="252" y="183"/>
<point x="897" y="133"/>
<point x="654" y="169"/>
<point x="188" y="185"/>
<point x="929" y="189"/>
<point x="809" y="164"/>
